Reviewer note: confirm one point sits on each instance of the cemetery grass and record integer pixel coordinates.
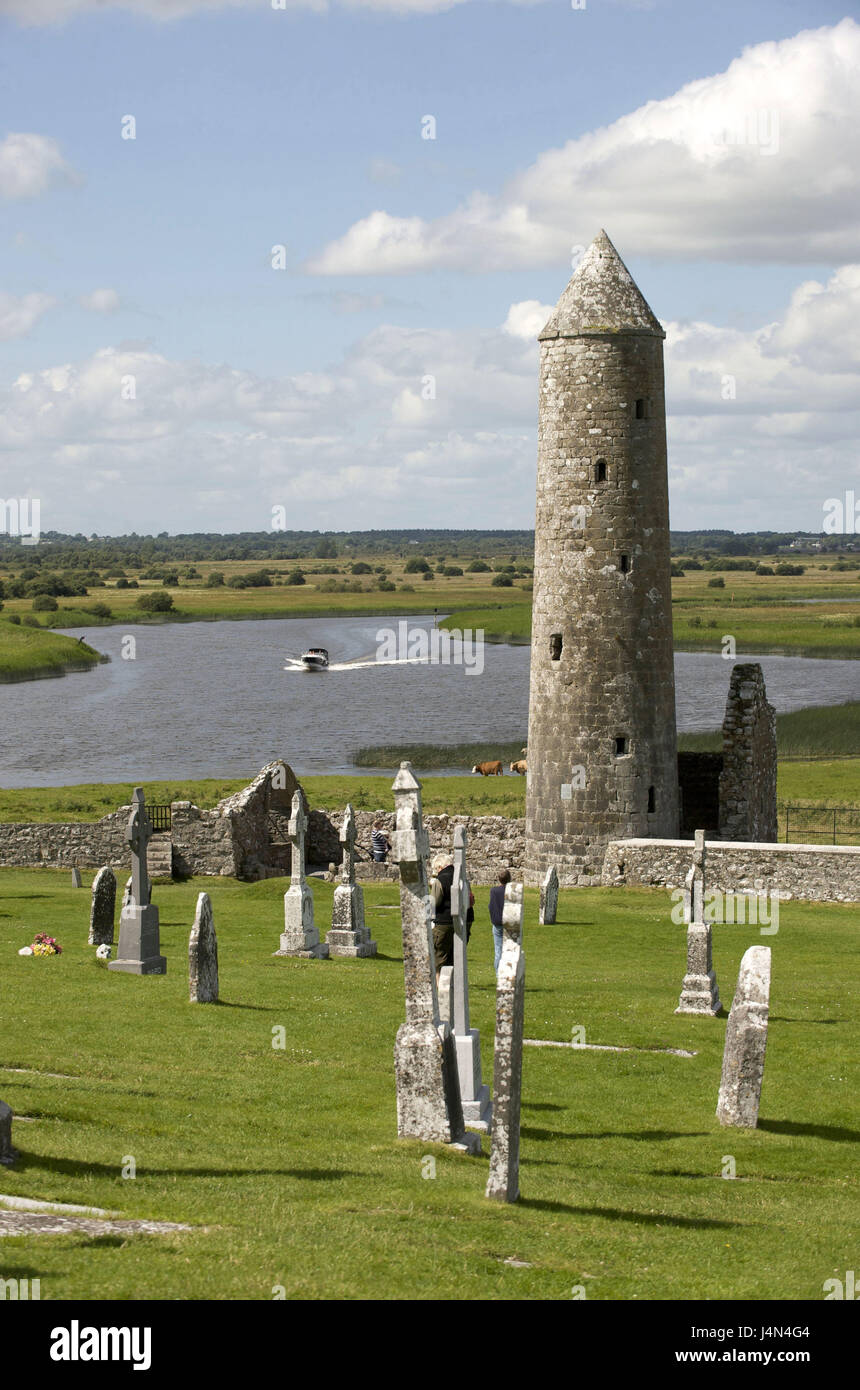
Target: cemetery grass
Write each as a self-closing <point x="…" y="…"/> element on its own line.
<point x="287" y="1164"/>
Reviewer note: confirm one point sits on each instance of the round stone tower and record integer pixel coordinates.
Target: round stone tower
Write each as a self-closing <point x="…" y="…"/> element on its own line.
<point x="602" y="748"/>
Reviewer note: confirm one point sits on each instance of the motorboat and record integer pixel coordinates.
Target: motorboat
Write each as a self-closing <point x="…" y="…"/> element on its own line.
<point x="315" y="659"/>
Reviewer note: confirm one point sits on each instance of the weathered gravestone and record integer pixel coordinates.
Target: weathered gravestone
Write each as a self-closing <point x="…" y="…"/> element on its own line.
<point x="445" y="991"/>
<point x="138" y="952"/>
<point x="549" y="897"/>
<point x="512" y="912"/>
<point x="203" y="955"/>
<point x="425" y="1060"/>
<point x="7" y="1153"/>
<point x="349" y="936"/>
<point x="127" y="898"/>
<point x="503" y="1184"/>
<point x="76" y="877"/>
<point x="474" y="1095"/>
<point x="699" y="993"/>
<point x="102" y="908"/>
<point x="746" y="1041"/>
<point x="300" y="936"/>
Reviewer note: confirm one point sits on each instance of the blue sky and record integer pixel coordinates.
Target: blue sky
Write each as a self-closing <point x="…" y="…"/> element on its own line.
<point x="409" y="257"/>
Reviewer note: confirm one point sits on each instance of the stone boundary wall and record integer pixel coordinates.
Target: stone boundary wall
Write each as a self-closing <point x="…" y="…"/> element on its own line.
<point x="494" y="842"/>
<point x="819" y="873"/>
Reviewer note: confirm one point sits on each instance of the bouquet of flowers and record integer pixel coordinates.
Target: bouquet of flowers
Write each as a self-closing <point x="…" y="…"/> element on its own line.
<point x="45" y="945"/>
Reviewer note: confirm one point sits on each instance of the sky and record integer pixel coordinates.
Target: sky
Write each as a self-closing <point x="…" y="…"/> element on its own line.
<point x="259" y="254"/>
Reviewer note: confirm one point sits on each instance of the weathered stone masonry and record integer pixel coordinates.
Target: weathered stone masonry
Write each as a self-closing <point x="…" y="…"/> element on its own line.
<point x="819" y="873"/>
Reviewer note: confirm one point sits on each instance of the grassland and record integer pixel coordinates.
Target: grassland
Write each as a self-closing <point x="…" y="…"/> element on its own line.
<point x="762" y="613"/>
<point x="286" y="1162"/>
<point x="29" y="653"/>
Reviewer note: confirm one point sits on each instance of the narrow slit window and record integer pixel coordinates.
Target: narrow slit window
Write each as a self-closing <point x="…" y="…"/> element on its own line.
<point x="652" y="800"/>
<point x="642" y="408"/>
<point x="600" y="471"/>
<point x="555" y="646"/>
<point x="620" y="746"/>
<point x="624" y="564"/>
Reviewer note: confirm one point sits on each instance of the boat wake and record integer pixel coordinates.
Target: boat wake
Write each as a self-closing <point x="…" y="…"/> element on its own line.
<point x="293" y="664"/>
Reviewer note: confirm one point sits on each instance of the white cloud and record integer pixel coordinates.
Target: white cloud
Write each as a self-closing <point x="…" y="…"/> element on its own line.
<point x="757" y="163"/>
<point x="104" y="301"/>
<point x="19" y="314"/>
<point x="29" y="164"/>
<point x="367" y="443"/>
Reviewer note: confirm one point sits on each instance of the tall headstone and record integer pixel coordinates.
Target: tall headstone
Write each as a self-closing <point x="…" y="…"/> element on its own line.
<point x="699" y="993"/>
<point x="102" y="908"/>
<point x="474" y="1095"/>
<point x="425" y="1060"/>
<point x="76" y="877"/>
<point x="445" y="992"/>
<point x="503" y="1184"/>
<point x="7" y="1153"/>
<point x="746" y="1041"/>
<point x="139" y="952"/>
<point x="549" y="896"/>
<point x="203" y="955"/>
<point x="512" y="912"/>
<point x="349" y="936"/>
<point x="300" y="936"/>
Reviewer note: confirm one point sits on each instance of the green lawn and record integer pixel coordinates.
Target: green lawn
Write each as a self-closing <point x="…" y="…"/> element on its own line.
<point x="289" y="1158"/>
<point x="29" y="652"/>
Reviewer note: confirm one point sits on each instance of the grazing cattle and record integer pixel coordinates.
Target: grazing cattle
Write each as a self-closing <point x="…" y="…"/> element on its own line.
<point x="520" y="767"/>
<point x="488" y="769"/>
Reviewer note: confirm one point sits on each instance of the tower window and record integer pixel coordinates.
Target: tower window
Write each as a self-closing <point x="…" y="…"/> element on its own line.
<point x="652" y="800"/>
<point x="620" y="746"/>
<point x="555" y="646"/>
<point x="624" y="564"/>
<point x="600" y="471"/>
<point x="643" y="408"/>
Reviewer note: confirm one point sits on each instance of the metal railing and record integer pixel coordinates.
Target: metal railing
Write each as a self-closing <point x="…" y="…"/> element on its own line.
<point x="160" y="818"/>
<point x="820" y="825"/>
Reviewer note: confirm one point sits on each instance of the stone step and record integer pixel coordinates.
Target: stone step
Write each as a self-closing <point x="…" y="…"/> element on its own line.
<point x="159" y="856"/>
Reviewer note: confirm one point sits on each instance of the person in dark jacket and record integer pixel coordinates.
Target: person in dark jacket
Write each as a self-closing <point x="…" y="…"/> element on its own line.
<point x="497" y="903"/>
<point x="443" y="922"/>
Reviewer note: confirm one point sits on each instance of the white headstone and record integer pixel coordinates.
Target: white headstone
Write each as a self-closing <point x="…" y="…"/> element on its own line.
<point x="746" y="1042"/>
<point x="475" y="1096"/>
<point x="503" y="1184"/>
<point x="549" y="897"/>
<point x="139" y="950"/>
<point x="203" y="955"/>
<point x="102" y="908"/>
<point x="699" y="993"/>
<point x="300" y="936"/>
<point x="349" y="936"/>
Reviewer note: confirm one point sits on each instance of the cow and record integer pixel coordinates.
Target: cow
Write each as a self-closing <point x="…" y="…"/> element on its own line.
<point x="488" y="769"/>
<point x="520" y="767"/>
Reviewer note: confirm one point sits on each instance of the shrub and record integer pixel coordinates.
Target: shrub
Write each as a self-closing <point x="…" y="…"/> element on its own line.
<point x="101" y="610"/>
<point x="478" y="567"/>
<point x="386" y="586"/>
<point x="716" y="583"/>
<point x="325" y="550"/>
<point x="171" y="581"/>
<point x="691" y="564"/>
<point x="427" y="575"/>
<point x="502" y="581"/>
<point x="14" y="618"/>
<point x="29" y="621"/>
<point x="764" y="569"/>
<point x="122" y="582"/>
<point x="296" y="577"/>
<point x="695" y="621"/>
<point x="677" y="572"/>
<point x="45" y="603"/>
<point x="452" y="571"/>
<point x="155" y="602"/>
<point x="415" y="565"/>
<point x="407" y="589"/>
<point x="360" y="568"/>
<point x="257" y="579"/>
<point x="215" y="580"/>
<point x="789" y="569"/>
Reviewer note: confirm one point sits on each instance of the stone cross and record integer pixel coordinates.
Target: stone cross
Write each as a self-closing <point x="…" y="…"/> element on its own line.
<point x="699" y="993"/>
<point x="76" y="877"/>
<point x="203" y="955"/>
<point x="746" y="1041"/>
<point x="139" y="834"/>
<point x="139" y="950"/>
<point x="512" y="912"/>
<point x="102" y="908"/>
<point x="349" y="936"/>
<point x="475" y="1096"/>
<point x="503" y="1184"/>
<point x="445" y="991"/>
<point x="300" y="936"/>
<point x="425" y="1060"/>
<point x="549" y="897"/>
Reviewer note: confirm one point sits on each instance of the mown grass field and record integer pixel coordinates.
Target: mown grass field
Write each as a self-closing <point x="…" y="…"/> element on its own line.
<point x="287" y="1163"/>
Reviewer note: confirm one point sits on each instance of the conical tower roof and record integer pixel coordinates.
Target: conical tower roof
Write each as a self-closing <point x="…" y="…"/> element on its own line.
<point x="602" y="297"/>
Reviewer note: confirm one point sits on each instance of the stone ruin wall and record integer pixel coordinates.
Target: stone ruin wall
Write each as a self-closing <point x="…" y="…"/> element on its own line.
<point x="748" y="777"/>
<point x="819" y="873"/>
